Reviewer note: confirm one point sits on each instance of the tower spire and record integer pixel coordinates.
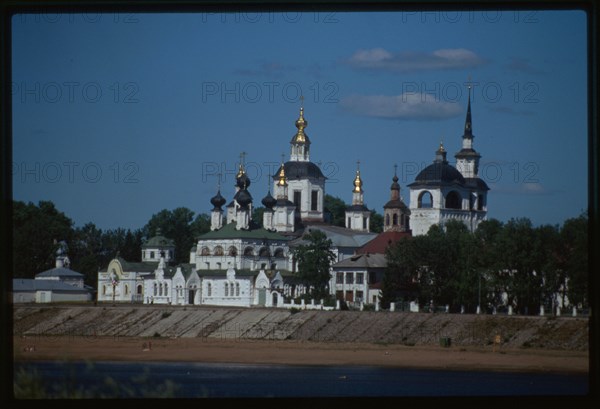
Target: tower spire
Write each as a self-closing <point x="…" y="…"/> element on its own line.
<point x="357" y="180"/>
<point x="468" y="124"/>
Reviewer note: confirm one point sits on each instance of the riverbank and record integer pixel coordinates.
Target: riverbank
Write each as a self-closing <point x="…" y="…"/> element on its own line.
<point x="206" y="350"/>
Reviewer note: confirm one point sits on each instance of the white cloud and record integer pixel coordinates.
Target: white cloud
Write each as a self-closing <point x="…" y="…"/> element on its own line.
<point x="403" y="106"/>
<point x="443" y="59"/>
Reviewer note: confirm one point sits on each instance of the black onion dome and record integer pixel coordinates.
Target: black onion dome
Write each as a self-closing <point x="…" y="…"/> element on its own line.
<point x="269" y="201"/>
<point x="301" y="170"/>
<point x="243" y="181"/>
<point x="439" y="173"/>
<point x="395" y="184"/>
<point x="243" y="198"/>
<point x="217" y="201"/>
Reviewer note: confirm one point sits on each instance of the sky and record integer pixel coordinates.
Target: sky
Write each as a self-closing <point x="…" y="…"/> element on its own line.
<point x="118" y="116"/>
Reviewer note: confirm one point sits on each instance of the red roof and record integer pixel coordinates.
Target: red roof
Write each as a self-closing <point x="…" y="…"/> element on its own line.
<point x="381" y="242"/>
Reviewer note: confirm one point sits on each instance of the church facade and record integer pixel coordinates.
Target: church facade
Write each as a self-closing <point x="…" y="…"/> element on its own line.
<point x="442" y="192"/>
<point x="239" y="263"/>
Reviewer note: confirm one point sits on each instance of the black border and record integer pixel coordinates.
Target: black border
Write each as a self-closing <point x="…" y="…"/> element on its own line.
<point x="7" y="9"/>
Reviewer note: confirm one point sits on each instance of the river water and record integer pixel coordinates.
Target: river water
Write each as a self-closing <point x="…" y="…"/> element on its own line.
<point x="195" y="380"/>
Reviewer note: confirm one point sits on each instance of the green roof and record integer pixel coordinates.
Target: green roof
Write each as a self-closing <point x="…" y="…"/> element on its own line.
<point x="159" y="241"/>
<point x="229" y="232"/>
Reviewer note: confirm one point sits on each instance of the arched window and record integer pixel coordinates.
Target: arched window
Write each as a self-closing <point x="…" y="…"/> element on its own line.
<point x="232" y="251"/>
<point x="453" y="200"/>
<point x="387" y="219"/>
<point x="402" y="220"/>
<point x="425" y="200"/>
<point x="264" y="252"/>
<point x="395" y="219"/>
<point x="226" y="289"/>
<point x="279" y="252"/>
<point x="139" y="289"/>
<point x="155" y="289"/>
<point x="209" y="289"/>
<point x="248" y="251"/>
<point x="103" y="290"/>
<point x="205" y="251"/>
<point x="126" y="289"/>
<point x="166" y="289"/>
<point x="218" y="251"/>
<point x="160" y="289"/>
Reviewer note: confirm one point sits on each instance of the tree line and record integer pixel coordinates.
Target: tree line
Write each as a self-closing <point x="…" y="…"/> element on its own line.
<point x="39" y="228"/>
<point x="512" y="263"/>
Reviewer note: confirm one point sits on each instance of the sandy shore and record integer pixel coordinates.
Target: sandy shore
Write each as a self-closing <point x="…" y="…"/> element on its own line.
<point x="296" y="353"/>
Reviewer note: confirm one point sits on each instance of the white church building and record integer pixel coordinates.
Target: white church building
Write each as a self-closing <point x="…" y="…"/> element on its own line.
<point x="238" y="263"/>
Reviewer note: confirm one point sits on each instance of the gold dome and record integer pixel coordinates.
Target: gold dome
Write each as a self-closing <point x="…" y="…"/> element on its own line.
<point x="301" y="123"/>
<point x="357" y="183"/>
<point x="281" y="176"/>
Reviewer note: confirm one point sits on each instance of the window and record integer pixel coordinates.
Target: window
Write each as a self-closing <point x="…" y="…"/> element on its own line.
<point x="248" y="251"/>
<point x="364" y="223"/>
<point x="155" y="289"/>
<point x="264" y="252"/>
<point x="387" y="219"/>
<point x="126" y="289"/>
<point x="349" y="223"/>
<point x="166" y="289"/>
<point x="480" y="202"/>
<point x="279" y="253"/>
<point x="314" y="200"/>
<point x="151" y="254"/>
<point x="359" y="278"/>
<point x="297" y="198"/>
<point x="349" y="278"/>
<point x="209" y="289"/>
<point x="425" y="200"/>
<point x="205" y="251"/>
<point x="395" y="219"/>
<point x="103" y="290"/>
<point x="453" y="200"/>
<point x="232" y="251"/>
<point x="218" y="251"/>
<point x="237" y="289"/>
<point x="339" y="278"/>
<point x="226" y="289"/>
<point x="139" y="289"/>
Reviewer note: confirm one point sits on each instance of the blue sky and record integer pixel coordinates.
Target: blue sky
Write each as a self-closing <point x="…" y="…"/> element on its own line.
<point x="118" y="116"/>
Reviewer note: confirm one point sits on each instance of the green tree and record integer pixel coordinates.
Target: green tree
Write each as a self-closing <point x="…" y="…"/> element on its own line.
<point x="336" y="208"/>
<point x="174" y="224"/>
<point x="36" y="233"/>
<point x="404" y="267"/>
<point x="200" y="225"/>
<point x="574" y="236"/>
<point x="376" y="222"/>
<point x="314" y="261"/>
<point x="257" y="215"/>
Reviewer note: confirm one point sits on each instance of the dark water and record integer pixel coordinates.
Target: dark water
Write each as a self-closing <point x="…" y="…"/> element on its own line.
<point x="191" y="380"/>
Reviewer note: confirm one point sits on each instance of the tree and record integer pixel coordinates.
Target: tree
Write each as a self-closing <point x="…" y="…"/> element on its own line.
<point x="36" y="232"/>
<point x="574" y="236"/>
<point x="336" y="208"/>
<point x="403" y="270"/>
<point x="176" y="225"/>
<point x="314" y="261"/>
<point x="376" y="222"/>
<point x="257" y="215"/>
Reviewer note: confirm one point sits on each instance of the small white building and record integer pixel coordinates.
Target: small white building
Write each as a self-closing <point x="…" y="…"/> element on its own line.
<point x="55" y="285"/>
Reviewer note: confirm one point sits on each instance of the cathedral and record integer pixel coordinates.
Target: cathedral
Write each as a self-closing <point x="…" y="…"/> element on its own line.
<point x="239" y="263"/>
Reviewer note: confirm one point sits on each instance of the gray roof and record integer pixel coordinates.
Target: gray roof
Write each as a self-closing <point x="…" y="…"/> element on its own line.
<point x="339" y="236"/>
<point x="30" y="285"/>
<point x="363" y="261"/>
<point x="60" y="272"/>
